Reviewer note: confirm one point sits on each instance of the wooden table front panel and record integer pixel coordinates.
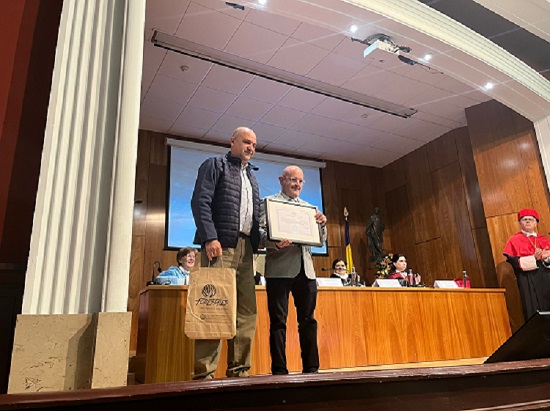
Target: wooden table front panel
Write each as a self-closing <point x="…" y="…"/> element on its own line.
<point x="357" y="327"/>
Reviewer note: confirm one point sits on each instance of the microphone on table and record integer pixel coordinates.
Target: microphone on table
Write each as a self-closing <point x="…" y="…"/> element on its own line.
<point x="156" y="263"/>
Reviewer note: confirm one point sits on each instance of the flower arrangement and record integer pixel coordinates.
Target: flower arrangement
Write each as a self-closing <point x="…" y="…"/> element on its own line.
<point x="383" y="265"/>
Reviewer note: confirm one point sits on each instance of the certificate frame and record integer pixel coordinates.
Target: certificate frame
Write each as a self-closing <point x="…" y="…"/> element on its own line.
<point x="292" y="221"/>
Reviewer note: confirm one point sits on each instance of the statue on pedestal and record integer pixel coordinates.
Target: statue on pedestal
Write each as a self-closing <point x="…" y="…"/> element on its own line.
<point x="375" y="230"/>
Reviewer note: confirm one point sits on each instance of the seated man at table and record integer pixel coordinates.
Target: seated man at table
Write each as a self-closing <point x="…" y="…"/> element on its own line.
<point x="289" y="268"/>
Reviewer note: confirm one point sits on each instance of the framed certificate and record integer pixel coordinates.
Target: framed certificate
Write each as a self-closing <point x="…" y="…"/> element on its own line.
<point x="292" y="221"/>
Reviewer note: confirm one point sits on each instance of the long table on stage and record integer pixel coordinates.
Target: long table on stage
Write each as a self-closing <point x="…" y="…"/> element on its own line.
<point x="356" y="327"/>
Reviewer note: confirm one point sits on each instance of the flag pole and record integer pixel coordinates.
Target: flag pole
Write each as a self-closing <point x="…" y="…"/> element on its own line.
<point x="349" y="256"/>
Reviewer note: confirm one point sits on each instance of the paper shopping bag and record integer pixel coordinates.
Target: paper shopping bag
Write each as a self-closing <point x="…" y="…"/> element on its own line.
<point x="211" y="304"/>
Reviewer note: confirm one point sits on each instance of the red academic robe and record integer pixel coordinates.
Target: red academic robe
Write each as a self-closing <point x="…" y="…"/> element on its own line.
<point x="534" y="285"/>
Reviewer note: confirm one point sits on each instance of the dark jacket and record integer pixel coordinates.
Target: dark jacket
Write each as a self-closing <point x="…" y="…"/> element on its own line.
<point x="216" y="202"/>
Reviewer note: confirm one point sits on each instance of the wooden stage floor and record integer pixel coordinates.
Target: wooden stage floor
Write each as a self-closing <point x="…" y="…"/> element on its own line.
<point x="521" y="385"/>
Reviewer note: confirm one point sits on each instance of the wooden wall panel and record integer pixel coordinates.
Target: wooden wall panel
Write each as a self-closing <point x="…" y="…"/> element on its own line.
<point x="500" y="166"/>
<point x="442" y="151"/>
<point x="456" y="235"/>
<point x="431" y="264"/>
<point x="158" y="149"/>
<point x="394" y="175"/>
<point x="511" y="177"/>
<point x="500" y="229"/>
<point x="359" y="205"/>
<point x="469" y="178"/>
<point x="486" y="263"/>
<point x="535" y="180"/>
<point x="400" y="225"/>
<point x="331" y="204"/>
<point x="420" y="192"/>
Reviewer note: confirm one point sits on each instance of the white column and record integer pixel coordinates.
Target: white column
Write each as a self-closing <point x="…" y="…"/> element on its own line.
<point x="542" y="129"/>
<point x="80" y="245"/>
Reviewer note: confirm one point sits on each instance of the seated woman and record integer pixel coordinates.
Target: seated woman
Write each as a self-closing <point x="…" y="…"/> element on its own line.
<point x="399" y="267"/>
<point x="399" y="271"/>
<point x="339" y="270"/>
<point x="178" y="275"/>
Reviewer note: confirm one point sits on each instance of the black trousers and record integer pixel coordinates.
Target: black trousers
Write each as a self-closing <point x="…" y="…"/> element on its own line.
<point x="304" y="292"/>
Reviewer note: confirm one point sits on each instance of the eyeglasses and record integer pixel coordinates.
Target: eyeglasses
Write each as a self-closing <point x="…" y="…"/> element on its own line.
<point x="296" y="180"/>
<point x="340" y="267"/>
<point x="528" y="219"/>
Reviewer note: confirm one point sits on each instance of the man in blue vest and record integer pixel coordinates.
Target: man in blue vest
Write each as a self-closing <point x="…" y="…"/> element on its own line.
<point x="226" y="209"/>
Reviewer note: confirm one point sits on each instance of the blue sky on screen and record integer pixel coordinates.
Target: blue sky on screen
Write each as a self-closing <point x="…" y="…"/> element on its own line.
<point x="184" y="165"/>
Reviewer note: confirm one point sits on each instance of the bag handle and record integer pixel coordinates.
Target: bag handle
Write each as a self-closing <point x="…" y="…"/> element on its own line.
<point x="210" y="262"/>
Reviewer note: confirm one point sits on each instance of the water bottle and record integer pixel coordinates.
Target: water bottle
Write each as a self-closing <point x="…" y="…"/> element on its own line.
<point x="465" y="279"/>
<point x="410" y="278"/>
<point x="353" y="277"/>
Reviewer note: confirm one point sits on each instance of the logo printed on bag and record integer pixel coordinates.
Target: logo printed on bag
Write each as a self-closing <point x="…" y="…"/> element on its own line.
<point x="209" y="290"/>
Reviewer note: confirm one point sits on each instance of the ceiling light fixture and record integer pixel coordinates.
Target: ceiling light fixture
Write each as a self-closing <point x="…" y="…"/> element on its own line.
<point x="353" y="28"/>
<point x="427" y="57"/>
<point x="222" y="58"/>
<point x="262" y="2"/>
<point x="488" y="86"/>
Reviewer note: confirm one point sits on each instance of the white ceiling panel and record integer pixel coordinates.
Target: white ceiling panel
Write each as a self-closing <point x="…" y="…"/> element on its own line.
<point x="165" y="15"/>
<point x="170" y="89"/>
<point x="194" y="71"/>
<point x="265" y="90"/>
<point x="292" y="138"/>
<point x="207" y="27"/>
<point x="248" y="109"/>
<point x="278" y="24"/>
<point x="255" y="43"/>
<point x="335" y="69"/>
<point x="231" y="81"/>
<point x="163" y="110"/>
<point x="190" y="131"/>
<point x="155" y="123"/>
<point x="318" y="36"/>
<point x="282" y="117"/>
<point x="297" y="57"/>
<point x="310" y="39"/>
<point x="266" y="133"/>
<point x="196" y="117"/>
<point x="301" y="100"/>
<point x="227" y="124"/>
<point x="213" y="100"/>
<point x="397" y="144"/>
<point x="335" y="109"/>
<point x="223" y="8"/>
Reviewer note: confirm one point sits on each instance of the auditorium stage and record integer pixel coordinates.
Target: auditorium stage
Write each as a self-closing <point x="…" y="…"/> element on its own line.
<point x="523" y="385"/>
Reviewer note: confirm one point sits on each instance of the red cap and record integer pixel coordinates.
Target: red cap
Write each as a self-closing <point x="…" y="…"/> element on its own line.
<point x="528" y="212"/>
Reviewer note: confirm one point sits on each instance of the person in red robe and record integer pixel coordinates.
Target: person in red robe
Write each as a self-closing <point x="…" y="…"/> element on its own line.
<point x="399" y="267"/>
<point x="529" y="254"/>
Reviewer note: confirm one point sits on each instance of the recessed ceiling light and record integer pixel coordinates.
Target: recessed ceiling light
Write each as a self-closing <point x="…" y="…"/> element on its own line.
<point x="262" y="2"/>
<point x="353" y="28"/>
<point x="427" y="57"/>
<point x="184" y="68"/>
<point x="488" y="86"/>
<point x="364" y="115"/>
